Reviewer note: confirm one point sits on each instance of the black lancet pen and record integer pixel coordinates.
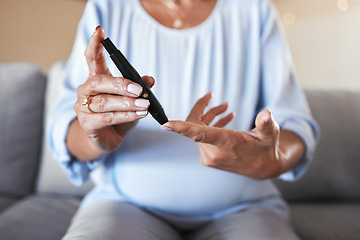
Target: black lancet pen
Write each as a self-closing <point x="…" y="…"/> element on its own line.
<point x="155" y="109"/>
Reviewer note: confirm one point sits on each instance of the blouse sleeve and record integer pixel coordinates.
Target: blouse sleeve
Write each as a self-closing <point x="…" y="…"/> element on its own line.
<point x="280" y="91"/>
<point x="63" y="114"/>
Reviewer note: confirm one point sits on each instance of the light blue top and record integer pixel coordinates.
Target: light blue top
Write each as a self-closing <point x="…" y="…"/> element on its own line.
<point x="239" y="54"/>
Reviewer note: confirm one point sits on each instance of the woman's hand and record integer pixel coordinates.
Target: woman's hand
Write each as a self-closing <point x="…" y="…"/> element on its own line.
<point x="107" y="107"/>
<point x="264" y="152"/>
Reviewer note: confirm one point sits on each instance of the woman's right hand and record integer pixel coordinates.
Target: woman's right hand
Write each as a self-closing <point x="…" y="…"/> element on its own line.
<point x="113" y="106"/>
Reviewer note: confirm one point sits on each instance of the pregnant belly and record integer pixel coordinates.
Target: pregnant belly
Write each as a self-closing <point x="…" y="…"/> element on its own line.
<point x="166" y="174"/>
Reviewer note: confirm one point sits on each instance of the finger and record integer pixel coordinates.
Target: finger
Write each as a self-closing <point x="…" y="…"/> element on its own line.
<point x="105" y="84"/>
<point x="199" y="108"/>
<point x="92" y="122"/>
<point x="112" y="103"/>
<point x="212" y="113"/>
<point x="198" y="132"/>
<point x="150" y="81"/>
<point x="224" y="121"/>
<point x="265" y="123"/>
<point x="94" y="53"/>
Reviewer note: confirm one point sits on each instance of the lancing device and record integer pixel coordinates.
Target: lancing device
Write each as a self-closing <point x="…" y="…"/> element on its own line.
<point x="129" y="72"/>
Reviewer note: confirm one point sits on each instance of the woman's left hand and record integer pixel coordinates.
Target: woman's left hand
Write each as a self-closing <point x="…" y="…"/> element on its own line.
<point x="256" y="153"/>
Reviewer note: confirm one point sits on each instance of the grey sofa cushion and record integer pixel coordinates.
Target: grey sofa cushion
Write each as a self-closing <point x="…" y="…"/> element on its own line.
<point x="38" y="218"/>
<point x="6" y="201"/>
<point x="327" y="221"/>
<point x="21" y="97"/>
<point x="52" y="178"/>
<point x="335" y="171"/>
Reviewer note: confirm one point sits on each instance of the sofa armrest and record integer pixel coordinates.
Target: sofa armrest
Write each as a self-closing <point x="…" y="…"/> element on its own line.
<point x="335" y="171"/>
<point x="21" y="124"/>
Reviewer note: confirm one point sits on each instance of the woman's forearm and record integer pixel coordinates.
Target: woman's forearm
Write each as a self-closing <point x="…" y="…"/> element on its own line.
<point x="80" y="145"/>
<point x="292" y="149"/>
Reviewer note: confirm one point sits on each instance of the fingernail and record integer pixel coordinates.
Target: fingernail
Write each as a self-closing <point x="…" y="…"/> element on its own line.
<point x="141" y="113"/>
<point x="224" y="104"/>
<point x="96" y="29"/>
<point x="166" y="128"/>
<point x="269" y="118"/>
<point x="142" y="102"/>
<point x="134" y="89"/>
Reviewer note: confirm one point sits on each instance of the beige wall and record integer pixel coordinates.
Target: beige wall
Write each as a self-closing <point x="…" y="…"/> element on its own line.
<point x="324" y="41"/>
<point x="39" y="31"/>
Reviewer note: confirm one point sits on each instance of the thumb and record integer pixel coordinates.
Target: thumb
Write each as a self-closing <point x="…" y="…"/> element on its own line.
<point x="149" y="80"/>
<point x="265" y="123"/>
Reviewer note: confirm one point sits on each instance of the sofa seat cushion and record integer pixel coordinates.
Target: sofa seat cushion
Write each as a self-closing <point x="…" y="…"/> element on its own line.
<point x="38" y="217"/>
<point x="326" y="221"/>
<point x="6" y="201"/>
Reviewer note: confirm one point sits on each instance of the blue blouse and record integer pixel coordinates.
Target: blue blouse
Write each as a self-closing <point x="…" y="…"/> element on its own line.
<point x="239" y="53"/>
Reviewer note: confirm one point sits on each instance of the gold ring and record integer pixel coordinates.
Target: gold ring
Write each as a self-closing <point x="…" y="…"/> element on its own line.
<point x="86" y="102"/>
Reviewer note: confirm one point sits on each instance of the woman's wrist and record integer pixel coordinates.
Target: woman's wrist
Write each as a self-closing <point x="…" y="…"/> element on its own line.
<point x="80" y="144"/>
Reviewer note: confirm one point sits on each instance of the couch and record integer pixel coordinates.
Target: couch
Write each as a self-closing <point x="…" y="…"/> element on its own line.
<point x="37" y="201"/>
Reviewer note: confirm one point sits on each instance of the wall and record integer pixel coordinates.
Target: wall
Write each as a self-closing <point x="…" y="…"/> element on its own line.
<point x="39" y="31"/>
<point x="324" y="41"/>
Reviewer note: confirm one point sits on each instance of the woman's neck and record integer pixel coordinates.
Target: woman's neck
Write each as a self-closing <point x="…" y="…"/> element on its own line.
<point x="180" y="14"/>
